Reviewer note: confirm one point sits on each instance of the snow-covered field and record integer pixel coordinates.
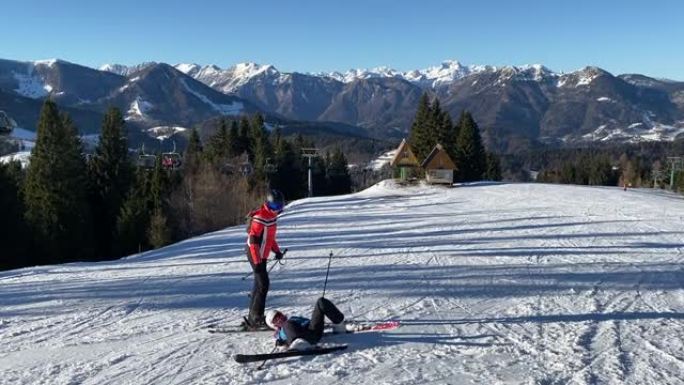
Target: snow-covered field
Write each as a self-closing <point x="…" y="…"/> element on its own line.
<point x="494" y="284"/>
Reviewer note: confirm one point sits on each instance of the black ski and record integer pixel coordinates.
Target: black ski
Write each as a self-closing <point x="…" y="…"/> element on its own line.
<point x="236" y="329"/>
<point x="353" y="327"/>
<point x="245" y="358"/>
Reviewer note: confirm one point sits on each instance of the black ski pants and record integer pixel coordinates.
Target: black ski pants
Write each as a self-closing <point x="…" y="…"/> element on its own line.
<point x="259" y="290"/>
<point x="314" y="332"/>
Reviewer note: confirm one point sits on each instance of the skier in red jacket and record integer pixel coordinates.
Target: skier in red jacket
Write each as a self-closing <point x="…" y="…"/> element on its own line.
<point x="260" y="242"/>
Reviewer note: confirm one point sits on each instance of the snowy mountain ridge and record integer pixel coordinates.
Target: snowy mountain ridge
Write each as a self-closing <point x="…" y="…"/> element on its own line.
<point x="125" y="70"/>
<point x="446" y="72"/>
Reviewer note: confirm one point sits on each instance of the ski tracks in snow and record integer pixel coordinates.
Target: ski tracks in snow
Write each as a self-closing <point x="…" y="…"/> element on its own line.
<point x="494" y="284"/>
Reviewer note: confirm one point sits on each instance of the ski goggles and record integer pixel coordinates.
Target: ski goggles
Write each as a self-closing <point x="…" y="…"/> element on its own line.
<point x="275" y="206"/>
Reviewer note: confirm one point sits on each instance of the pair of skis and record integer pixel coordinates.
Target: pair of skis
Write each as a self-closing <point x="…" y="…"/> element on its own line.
<point x="352" y="327"/>
<point x="317" y="349"/>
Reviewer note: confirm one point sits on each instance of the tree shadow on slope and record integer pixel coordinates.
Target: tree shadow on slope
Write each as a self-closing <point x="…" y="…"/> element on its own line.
<point x="370" y="340"/>
<point x="164" y="292"/>
<point x="227" y="290"/>
<point x="549" y="318"/>
<point x="489" y="281"/>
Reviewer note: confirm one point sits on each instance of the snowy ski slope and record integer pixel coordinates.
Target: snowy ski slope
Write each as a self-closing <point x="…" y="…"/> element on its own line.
<point x="494" y="284"/>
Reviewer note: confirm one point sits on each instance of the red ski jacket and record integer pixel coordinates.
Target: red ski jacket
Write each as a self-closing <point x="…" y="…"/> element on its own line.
<point x="262" y="234"/>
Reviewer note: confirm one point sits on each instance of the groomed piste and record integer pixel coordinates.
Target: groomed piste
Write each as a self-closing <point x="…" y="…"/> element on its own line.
<point x="493" y="284"/>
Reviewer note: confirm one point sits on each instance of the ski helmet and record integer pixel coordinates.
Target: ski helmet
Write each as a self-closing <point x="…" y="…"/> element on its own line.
<point x="275" y="200"/>
<point x="275" y="318"/>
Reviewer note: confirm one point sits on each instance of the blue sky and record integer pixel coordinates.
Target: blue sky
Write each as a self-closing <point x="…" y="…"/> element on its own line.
<point x="619" y="36"/>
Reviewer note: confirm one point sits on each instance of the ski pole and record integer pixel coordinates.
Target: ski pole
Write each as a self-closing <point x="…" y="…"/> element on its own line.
<point x="264" y="363"/>
<point x="269" y="270"/>
<point x="326" y="274"/>
<point x="277" y="262"/>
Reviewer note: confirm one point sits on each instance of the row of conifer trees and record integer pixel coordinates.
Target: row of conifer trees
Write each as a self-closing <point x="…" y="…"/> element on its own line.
<point x="68" y="207"/>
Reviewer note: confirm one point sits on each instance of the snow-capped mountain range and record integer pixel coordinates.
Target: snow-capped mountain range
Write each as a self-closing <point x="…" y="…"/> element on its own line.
<point x="530" y="102"/>
<point x="512" y="104"/>
<point x="231" y="78"/>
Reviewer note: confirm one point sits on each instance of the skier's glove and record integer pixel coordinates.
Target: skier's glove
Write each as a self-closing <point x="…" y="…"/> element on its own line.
<point x="278" y="255"/>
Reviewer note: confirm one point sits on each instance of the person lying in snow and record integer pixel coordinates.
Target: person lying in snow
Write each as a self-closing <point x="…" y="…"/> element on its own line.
<point x="301" y="333"/>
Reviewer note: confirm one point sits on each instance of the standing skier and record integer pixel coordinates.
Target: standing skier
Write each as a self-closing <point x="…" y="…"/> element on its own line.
<point x="261" y="240"/>
<point x="299" y="333"/>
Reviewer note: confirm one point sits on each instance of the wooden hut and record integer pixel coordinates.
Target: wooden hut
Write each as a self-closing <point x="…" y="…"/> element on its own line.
<point x="439" y="168"/>
<point x="405" y="160"/>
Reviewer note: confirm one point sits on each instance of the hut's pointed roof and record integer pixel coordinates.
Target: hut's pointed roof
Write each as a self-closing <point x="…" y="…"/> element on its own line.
<point x="438" y="159"/>
<point x="404" y="156"/>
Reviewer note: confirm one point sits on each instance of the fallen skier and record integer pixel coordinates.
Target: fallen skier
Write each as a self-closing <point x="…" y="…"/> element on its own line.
<point x="300" y="333"/>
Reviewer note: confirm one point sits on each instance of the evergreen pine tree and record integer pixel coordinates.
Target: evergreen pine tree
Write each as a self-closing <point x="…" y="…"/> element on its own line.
<point x="451" y="134"/>
<point x="13" y="232"/>
<point x="192" y="157"/>
<point x="158" y="233"/>
<point x="318" y="177"/>
<point x="437" y="122"/>
<point x="56" y="196"/>
<point x="493" y="171"/>
<point x="219" y="146"/>
<point x="243" y="144"/>
<point x="111" y="175"/>
<point x="422" y="138"/>
<point x="234" y="140"/>
<point x="339" y="180"/>
<point x="277" y="137"/>
<point x="288" y="177"/>
<point x="134" y="218"/>
<point x="470" y="157"/>
<point x="158" y="188"/>
<point x="261" y="148"/>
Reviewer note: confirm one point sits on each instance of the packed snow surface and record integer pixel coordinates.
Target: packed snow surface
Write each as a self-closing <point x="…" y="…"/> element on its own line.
<point x="494" y="284"/>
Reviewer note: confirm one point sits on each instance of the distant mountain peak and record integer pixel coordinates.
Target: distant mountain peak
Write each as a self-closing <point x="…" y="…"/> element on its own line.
<point x="249" y="69"/>
<point x="125" y="70"/>
<point x="188" y="68"/>
<point x="48" y="62"/>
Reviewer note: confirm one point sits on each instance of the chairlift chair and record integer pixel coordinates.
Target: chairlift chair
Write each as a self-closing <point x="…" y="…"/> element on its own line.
<point x="172" y="160"/>
<point x="146" y="161"/>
